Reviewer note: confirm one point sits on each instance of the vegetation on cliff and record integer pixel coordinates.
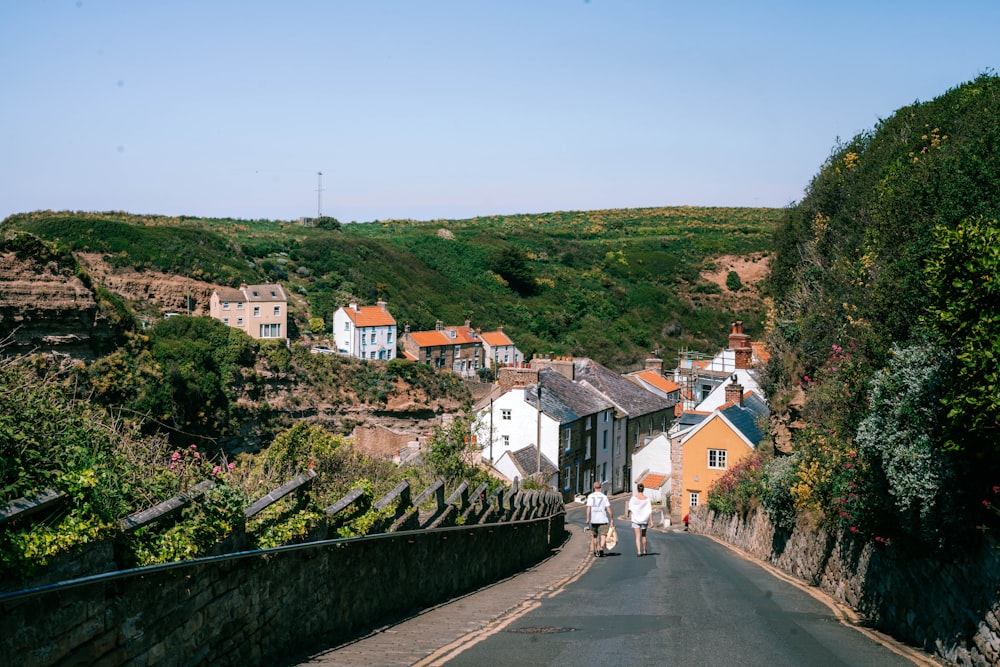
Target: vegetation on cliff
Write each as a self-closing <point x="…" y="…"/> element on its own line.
<point x="886" y="281"/>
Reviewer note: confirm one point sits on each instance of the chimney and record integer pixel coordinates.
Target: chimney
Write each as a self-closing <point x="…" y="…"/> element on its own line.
<point x="654" y="363"/>
<point x="353" y="306"/>
<point x="468" y="323"/>
<point x="406" y="329"/>
<point x="739" y="343"/>
<point x="439" y="325"/>
<point x="734" y="392"/>
<point x="381" y="304"/>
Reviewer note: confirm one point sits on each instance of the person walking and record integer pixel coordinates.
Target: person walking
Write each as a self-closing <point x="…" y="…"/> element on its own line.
<point x="598" y="518"/>
<point x="640" y="508"/>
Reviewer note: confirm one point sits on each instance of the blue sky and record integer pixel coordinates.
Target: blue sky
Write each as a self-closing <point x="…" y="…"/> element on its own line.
<point x="429" y="110"/>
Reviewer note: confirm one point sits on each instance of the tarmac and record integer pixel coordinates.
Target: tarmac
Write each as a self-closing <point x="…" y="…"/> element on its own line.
<point x="436" y="634"/>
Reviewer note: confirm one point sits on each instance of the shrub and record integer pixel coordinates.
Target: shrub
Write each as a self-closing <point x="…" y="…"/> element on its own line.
<point x="739" y="489"/>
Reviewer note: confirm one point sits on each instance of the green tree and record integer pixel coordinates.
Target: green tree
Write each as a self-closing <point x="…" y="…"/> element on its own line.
<point x="963" y="284"/>
<point x="733" y="282"/>
<point x="511" y="264"/>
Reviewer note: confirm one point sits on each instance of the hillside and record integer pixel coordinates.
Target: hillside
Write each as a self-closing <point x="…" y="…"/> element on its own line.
<point x="608" y="284"/>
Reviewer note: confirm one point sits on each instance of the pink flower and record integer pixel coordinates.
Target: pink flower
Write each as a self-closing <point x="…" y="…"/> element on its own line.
<point x="232" y="466"/>
<point x="176" y="456"/>
<point x="217" y="470"/>
<point x="996" y="489"/>
<point x="193" y="447"/>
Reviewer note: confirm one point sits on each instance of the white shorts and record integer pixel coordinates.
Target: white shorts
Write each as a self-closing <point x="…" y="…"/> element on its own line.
<point x="644" y="526"/>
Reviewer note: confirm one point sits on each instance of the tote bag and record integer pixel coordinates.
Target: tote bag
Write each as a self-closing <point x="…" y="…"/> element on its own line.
<point x="611" y="541"/>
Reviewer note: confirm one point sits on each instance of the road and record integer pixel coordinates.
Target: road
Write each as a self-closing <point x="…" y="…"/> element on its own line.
<point x="691" y="602"/>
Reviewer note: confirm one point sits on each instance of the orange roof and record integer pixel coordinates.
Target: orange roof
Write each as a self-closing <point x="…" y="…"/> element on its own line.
<point x="370" y="316"/>
<point x="446" y="336"/>
<point x="653" y="480"/>
<point x="496" y="338"/>
<point x="658" y="381"/>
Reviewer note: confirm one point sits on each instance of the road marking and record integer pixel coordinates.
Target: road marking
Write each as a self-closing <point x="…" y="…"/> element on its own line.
<point x="449" y="651"/>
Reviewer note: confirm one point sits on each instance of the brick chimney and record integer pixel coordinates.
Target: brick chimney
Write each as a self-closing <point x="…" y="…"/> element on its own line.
<point x="381" y="304"/>
<point x="734" y="392"/>
<point x="439" y="325"/>
<point x="739" y="343"/>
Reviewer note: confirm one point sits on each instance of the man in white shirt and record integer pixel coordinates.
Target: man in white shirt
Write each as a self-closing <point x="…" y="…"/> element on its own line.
<point x="598" y="519"/>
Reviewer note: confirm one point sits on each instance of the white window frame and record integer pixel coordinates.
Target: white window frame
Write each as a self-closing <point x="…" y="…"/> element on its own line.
<point x="693" y="498"/>
<point x="717" y="459"/>
<point x="505" y="414"/>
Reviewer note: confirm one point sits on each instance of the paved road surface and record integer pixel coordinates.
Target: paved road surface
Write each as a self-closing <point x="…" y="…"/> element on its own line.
<point x="691" y="601"/>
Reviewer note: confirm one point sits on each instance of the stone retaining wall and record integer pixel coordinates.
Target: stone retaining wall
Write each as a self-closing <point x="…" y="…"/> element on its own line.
<point x="262" y="607"/>
<point x="948" y="605"/>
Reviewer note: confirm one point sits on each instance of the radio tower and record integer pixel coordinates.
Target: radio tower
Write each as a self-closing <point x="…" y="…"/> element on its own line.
<point x="319" y="195"/>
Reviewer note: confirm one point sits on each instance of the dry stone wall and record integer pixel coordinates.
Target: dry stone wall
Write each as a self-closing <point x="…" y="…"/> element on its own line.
<point x="946" y="604"/>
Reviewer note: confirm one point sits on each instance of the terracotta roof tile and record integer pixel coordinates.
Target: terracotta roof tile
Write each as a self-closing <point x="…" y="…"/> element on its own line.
<point x="370" y="316"/>
<point x="658" y="381"/>
<point x="496" y="338"/>
<point x="653" y="480"/>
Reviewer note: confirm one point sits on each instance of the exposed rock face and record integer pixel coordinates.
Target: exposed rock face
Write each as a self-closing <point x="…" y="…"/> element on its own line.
<point x="47" y="307"/>
<point x="168" y="292"/>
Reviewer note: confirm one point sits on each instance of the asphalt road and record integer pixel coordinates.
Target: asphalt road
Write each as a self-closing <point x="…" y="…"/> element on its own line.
<point x="691" y="601"/>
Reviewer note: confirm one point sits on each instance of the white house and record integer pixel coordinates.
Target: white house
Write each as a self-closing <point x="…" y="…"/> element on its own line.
<point x="507" y="422"/>
<point x="365" y="332"/>
<point x="499" y="349"/>
<point x="652" y="465"/>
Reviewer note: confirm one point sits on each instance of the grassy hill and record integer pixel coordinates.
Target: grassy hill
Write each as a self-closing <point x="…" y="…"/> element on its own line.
<point x="612" y="284"/>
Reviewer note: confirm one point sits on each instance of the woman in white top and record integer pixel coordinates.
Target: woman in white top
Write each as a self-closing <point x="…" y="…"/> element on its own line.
<point x="640" y="507"/>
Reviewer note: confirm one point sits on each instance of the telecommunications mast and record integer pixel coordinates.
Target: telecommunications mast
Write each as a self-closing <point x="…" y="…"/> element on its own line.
<point x="319" y="195"/>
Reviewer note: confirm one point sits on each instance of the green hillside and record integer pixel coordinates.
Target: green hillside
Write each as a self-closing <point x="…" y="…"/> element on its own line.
<point x="613" y="284"/>
<point x="885" y="358"/>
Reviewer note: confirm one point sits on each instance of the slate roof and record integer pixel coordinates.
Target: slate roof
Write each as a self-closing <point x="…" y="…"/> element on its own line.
<point x="629" y="396"/>
<point x="269" y="293"/>
<point x="745" y="417"/>
<point x="564" y="400"/>
<point x="526" y="460"/>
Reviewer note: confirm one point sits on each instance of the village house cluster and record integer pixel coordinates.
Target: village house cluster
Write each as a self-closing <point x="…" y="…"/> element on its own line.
<point x="675" y="433"/>
<point x="566" y="421"/>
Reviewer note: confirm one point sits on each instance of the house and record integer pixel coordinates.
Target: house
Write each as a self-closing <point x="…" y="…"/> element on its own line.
<point x="640" y="415"/>
<point x="573" y="425"/>
<point x="730" y="433"/>
<point x="697" y="375"/>
<point x="365" y="332"/>
<point x="458" y="349"/>
<point x="259" y="310"/>
<point x="499" y="349"/>
<point x="652" y="465"/>
<point x="523" y="463"/>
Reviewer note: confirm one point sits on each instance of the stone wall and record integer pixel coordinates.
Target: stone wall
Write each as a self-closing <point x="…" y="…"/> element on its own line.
<point x="264" y="607"/>
<point x="945" y="604"/>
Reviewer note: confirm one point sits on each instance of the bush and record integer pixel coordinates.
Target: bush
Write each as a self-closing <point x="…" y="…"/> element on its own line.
<point x="739" y="489"/>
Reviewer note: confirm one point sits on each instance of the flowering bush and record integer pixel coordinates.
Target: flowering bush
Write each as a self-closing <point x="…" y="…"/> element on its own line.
<point x="740" y="488"/>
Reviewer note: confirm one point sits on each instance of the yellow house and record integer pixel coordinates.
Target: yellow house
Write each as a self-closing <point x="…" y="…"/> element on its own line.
<point x="707" y="450"/>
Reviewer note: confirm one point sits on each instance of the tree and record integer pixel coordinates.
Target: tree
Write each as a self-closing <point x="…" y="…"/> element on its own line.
<point x="963" y="284"/>
<point x="733" y="282"/>
<point x="512" y="265"/>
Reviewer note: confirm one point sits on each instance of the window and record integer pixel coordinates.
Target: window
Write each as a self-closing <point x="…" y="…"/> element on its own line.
<point x="604" y="472"/>
<point x="506" y="440"/>
<point x="650" y="426"/>
<point x="225" y="305"/>
<point x="256" y="311"/>
<point x="270" y="331"/>
<point x="566" y="482"/>
<point x="373" y="354"/>
<point x="604" y="444"/>
<point x="458" y="351"/>
<point x="388" y="336"/>
<point x="274" y="294"/>
<point x="239" y="305"/>
<point x="566" y="440"/>
<point x="717" y="459"/>
<point x="225" y="320"/>
<point x="277" y="311"/>
<point x="505" y="414"/>
<point x="607" y="416"/>
<point x="347" y="326"/>
<point x="587" y="450"/>
<point x="239" y="321"/>
<point x="373" y="338"/>
<point x="693" y="499"/>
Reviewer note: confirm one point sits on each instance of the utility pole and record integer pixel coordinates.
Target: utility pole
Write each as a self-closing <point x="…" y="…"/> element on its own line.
<point x="538" y="437"/>
<point x="319" y="195"/>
